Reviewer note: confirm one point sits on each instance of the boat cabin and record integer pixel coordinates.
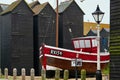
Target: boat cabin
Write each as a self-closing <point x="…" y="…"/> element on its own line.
<point x="85" y="44"/>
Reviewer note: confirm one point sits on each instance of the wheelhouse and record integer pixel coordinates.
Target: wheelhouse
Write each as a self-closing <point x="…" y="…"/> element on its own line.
<point x="85" y="44"/>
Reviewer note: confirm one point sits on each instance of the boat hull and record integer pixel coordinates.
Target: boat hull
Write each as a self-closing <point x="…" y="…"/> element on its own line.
<point x="62" y="59"/>
<point x="66" y="64"/>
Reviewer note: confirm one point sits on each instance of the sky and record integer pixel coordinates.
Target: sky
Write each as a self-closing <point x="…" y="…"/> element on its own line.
<point x="88" y="7"/>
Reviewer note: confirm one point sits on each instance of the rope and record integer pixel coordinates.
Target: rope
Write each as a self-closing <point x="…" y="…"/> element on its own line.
<point x="47" y="29"/>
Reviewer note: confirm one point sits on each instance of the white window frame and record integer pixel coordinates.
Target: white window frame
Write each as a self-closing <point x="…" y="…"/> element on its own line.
<point x="94" y="43"/>
<point x="76" y="44"/>
<point x="87" y="44"/>
<point x="82" y="43"/>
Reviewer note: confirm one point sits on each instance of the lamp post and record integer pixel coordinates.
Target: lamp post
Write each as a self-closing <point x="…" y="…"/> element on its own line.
<point x="98" y="15"/>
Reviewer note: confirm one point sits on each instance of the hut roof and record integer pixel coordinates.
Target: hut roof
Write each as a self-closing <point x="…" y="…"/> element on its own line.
<point x="12" y="6"/>
<point x="107" y="29"/>
<point x="92" y="33"/>
<point x="3" y="6"/>
<point x="37" y="9"/>
<point x="105" y="32"/>
<point x="34" y="3"/>
<point x="64" y="5"/>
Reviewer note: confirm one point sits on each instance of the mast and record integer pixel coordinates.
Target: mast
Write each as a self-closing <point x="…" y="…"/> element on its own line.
<point x="57" y="23"/>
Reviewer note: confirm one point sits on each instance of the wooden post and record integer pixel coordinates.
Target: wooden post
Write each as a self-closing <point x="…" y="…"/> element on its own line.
<point x="66" y="74"/>
<point x="83" y="74"/>
<point x="43" y="74"/>
<point x="32" y="73"/>
<point x="57" y="74"/>
<point x="23" y="73"/>
<point x="14" y="74"/>
<point x="6" y="73"/>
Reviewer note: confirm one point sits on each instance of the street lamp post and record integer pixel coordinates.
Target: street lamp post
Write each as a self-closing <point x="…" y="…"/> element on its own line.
<point x="76" y="71"/>
<point x="98" y="15"/>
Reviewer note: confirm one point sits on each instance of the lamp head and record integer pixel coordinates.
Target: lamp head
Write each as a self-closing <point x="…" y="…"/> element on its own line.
<point x="98" y="15"/>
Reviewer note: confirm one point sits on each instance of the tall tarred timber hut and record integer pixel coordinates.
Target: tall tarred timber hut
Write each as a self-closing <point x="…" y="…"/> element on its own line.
<point x="0" y="50"/>
<point x="44" y="29"/>
<point x="114" y="39"/>
<point x="70" y="16"/>
<point x="104" y="42"/>
<point x="17" y="37"/>
<point x="37" y="68"/>
<point x="2" y="8"/>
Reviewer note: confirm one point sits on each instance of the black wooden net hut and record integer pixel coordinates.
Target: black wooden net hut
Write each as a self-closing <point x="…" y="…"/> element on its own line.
<point x="114" y="39"/>
<point x="70" y="17"/>
<point x="44" y="29"/>
<point x="17" y="37"/>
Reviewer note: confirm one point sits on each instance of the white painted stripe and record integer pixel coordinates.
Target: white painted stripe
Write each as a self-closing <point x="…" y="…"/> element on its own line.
<point x="48" y="67"/>
<point x="95" y="61"/>
<point x="40" y="56"/>
<point x="63" y="58"/>
<point x="58" y="57"/>
<point x="78" y="52"/>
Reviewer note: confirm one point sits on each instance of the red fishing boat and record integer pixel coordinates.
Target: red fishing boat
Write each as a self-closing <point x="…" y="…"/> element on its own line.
<point x="83" y="57"/>
<point x="85" y="53"/>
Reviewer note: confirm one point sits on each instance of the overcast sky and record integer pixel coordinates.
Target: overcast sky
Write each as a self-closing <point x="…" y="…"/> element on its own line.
<point x="88" y="6"/>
